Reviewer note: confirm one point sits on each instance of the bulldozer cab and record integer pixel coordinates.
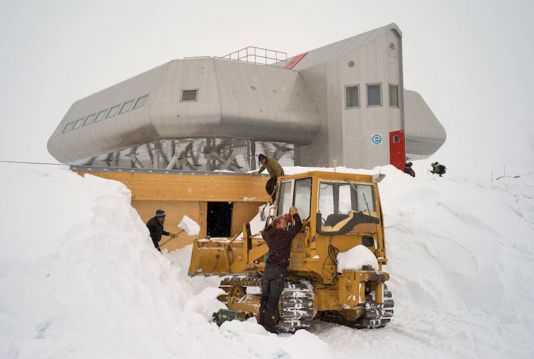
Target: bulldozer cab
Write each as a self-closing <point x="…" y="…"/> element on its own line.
<point x="337" y="199"/>
<point x="338" y="210"/>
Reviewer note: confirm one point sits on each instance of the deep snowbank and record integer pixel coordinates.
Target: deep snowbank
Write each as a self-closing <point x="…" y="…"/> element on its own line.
<point x="79" y="277"/>
<point x="460" y="257"/>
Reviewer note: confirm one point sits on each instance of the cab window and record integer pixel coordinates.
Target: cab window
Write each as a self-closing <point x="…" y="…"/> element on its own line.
<point x="286" y="197"/>
<point x="340" y="198"/>
<point x="303" y="197"/>
<point x="366" y="198"/>
<point x="296" y="193"/>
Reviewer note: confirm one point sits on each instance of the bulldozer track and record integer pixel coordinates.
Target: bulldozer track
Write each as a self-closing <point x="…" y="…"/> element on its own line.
<point x="295" y="308"/>
<point x="376" y="315"/>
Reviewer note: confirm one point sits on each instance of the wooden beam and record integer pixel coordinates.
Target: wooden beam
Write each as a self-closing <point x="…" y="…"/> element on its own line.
<point x="190" y="187"/>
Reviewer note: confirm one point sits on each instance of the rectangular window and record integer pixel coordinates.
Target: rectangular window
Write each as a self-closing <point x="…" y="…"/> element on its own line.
<point x="101" y="115"/>
<point x="68" y="127"/>
<point x="89" y="119"/>
<point x="394" y="95"/>
<point x="352" y="96"/>
<point x="286" y="199"/>
<point x="78" y="123"/>
<point x="343" y="197"/>
<point x="303" y="197"/>
<point x="189" y="95"/>
<point x="326" y="199"/>
<point x="113" y="111"/>
<point x="374" y="97"/>
<point x="140" y="102"/>
<point x="366" y="199"/>
<point x="127" y="106"/>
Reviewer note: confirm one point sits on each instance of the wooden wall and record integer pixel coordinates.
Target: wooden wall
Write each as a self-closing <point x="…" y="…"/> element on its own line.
<point x="188" y="194"/>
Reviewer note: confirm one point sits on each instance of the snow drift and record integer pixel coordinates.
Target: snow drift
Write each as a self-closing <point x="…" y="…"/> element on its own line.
<point x="80" y="278"/>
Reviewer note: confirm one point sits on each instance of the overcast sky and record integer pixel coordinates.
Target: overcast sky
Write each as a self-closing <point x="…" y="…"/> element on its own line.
<point x="472" y="61"/>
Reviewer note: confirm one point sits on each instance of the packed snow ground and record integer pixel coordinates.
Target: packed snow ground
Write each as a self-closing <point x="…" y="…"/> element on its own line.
<point x="79" y="277"/>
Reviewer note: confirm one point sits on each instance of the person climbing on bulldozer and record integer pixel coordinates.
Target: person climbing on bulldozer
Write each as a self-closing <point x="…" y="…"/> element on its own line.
<point x="275" y="170"/>
<point x="278" y="239"/>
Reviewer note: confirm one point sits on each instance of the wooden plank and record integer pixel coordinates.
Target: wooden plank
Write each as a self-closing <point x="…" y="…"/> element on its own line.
<point x="189" y="194"/>
<point x="191" y="187"/>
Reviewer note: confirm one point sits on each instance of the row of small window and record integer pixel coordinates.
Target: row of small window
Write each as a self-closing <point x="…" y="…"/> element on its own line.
<point x="374" y="95"/>
<point x="107" y="113"/>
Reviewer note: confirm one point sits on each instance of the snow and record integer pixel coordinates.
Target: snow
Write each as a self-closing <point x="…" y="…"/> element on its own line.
<point x="80" y="278"/>
<point x="355" y="258"/>
<point x="189" y="225"/>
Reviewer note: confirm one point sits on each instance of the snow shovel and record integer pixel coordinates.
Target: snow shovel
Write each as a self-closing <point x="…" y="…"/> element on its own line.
<point x="180" y="230"/>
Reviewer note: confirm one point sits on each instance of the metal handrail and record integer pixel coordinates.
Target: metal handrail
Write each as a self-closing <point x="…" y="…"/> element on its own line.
<point x="257" y="55"/>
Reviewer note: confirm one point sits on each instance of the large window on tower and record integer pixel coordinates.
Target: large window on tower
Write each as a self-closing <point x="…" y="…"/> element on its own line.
<point x="374" y="95"/>
<point x="393" y="95"/>
<point x="352" y="96"/>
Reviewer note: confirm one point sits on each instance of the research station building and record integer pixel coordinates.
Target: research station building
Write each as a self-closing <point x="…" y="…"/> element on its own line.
<point x="342" y="104"/>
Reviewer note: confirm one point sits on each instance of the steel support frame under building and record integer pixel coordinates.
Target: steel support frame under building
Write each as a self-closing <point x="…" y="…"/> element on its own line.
<point x="195" y="154"/>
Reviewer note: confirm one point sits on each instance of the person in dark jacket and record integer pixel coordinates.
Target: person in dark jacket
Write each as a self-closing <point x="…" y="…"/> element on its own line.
<point x="275" y="170"/>
<point x="155" y="226"/>
<point x="278" y="239"/>
<point x="438" y="169"/>
<point x="408" y="169"/>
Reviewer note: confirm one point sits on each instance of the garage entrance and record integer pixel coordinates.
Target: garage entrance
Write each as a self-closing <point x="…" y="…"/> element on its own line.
<point x="219" y="221"/>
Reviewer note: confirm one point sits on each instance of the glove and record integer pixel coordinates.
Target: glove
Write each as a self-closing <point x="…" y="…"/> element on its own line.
<point x="173" y="235"/>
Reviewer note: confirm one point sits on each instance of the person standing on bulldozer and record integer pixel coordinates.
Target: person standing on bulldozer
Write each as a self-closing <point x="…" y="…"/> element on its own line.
<point x="278" y="239"/>
<point x="275" y="171"/>
<point x="155" y="226"/>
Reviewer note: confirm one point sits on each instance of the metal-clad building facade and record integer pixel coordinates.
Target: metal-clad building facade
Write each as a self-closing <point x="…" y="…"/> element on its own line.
<point x="343" y="103"/>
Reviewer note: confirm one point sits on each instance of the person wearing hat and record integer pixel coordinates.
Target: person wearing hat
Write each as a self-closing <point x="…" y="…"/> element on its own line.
<point x="275" y="170"/>
<point x="155" y="226"/>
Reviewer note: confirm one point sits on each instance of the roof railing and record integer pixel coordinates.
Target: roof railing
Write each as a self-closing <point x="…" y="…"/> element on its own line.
<point x="257" y="55"/>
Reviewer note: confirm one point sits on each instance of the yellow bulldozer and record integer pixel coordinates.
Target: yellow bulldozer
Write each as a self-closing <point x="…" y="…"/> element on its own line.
<point x="340" y="212"/>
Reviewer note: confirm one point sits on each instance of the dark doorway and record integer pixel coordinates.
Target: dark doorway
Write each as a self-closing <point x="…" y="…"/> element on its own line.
<point x="219" y="219"/>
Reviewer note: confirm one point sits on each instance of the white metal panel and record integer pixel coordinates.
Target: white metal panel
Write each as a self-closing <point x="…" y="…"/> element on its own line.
<point x="235" y="100"/>
<point x="424" y="133"/>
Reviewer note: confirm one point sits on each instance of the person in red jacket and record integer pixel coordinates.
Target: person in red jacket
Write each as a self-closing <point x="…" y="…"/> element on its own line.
<point x="278" y="239"/>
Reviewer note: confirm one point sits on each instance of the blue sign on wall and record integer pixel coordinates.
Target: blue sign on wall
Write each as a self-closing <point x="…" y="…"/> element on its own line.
<point x="376" y="139"/>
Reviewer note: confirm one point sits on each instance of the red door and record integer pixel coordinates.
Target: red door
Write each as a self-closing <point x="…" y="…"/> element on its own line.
<point x="397" y="153"/>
